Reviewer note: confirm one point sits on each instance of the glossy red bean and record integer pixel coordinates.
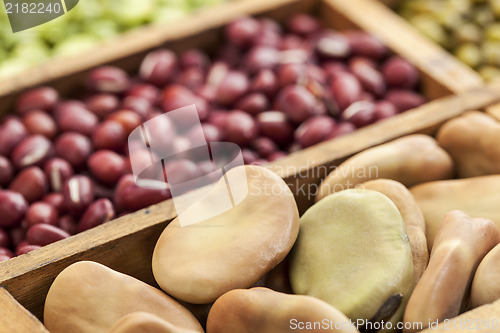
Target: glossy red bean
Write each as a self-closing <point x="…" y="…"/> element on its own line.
<point x="360" y="113"/>
<point x="57" y="170"/>
<point x="43" y="98"/>
<point x="218" y="119"/>
<point x="192" y="78"/>
<point x="128" y="196"/>
<point x="275" y="125"/>
<point x="404" y="99"/>
<point x="140" y="105"/>
<point x="345" y="89"/>
<point x="41" y="212"/>
<point x="261" y="57"/>
<point x="276" y="156"/>
<point x="369" y="77"/>
<point x="146" y="161"/>
<point x="180" y="171"/>
<point x="176" y="96"/>
<point x="17" y="235"/>
<point x="26" y="249"/>
<point x="264" y="82"/>
<point x="158" y="67"/>
<point x="56" y="200"/>
<point x="161" y="130"/>
<point x="4" y="257"/>
<point x="209" y="133"/>
<point x="291" y="74"/>
<point x="102" y="191"/>
<point x="297" y="102"/>
<point x="144" y="90"/>
<point x="103" y="104"/>
<point x="107" y="166"/>
<point x="399" y="73"/>
<point x="128" y="119"/>
<point x="194" y="58"/>
<point x="109" y="135"/>
<point x="31" y="183"/>
<point x="384" y="109"/>
<point x="74" y="148"/>
<point x="264" y="146"/>
<point x="99" y="212"/>
<point x="12" y="131"/>
<point x="74" y="117"/>
<point x="78" y="192"/>
<point x="6" y="171"/>
<point x="332" y="69"/>
<point x="68" y="224"/>
<point x="233" y="86"/>
<point x="44" y="234"/>
<point x="314" y="130"/>
<point x="40" y="122"/>
<point x="363" y="44"/>
<point x="4" y="251"/>
<point x="291" y="42"/>
<point x="243" y="31"/>
<point x="267" y="37"/>
<point x="33" y="150"/>
<point x="333" y="45"/>
<point x="303" y="24"/>
<point x="241" y="128"/>
<point x="4" y="239"/>
<point x="341" y="129"/>
<point x="108" y="79"/>
<point x="12" y="208"/>
<point x="253" y="103"/>
<point x="249" y="156"/>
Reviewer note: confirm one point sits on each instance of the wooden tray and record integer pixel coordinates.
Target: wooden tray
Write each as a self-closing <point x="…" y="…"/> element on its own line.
<point x="126" y="244"/>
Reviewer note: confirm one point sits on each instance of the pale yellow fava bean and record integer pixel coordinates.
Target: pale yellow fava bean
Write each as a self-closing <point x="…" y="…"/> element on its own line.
<point x="199" y="262"/>
<point x="461" y="244"/>
<point x="472" y="140"/>
<point x="410" y="160"/>
<point x="88" y="297"/>
<point x="476" y="197"/>
<point x="412" y="216"/>
<point x="485" y="286"/>
<point x="353" y="252"/>
<point x="143" y="322"/>
<point x="266" y="311"/>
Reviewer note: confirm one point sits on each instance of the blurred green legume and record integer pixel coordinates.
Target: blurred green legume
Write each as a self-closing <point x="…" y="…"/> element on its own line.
<point x="468" y="28"/>
<point x="86" y="25"/>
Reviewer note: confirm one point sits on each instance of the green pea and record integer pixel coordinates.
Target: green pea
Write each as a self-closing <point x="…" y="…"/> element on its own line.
<point x="489" y="73"/>
<point x="468" y="33"/>
<point x="470" y="54"/>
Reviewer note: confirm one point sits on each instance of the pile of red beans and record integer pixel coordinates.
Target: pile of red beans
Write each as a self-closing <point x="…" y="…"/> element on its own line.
<point x="64" y="164"/>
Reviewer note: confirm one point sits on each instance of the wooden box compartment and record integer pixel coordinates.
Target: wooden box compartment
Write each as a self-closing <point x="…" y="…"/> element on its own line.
<point x="126" y="244"/>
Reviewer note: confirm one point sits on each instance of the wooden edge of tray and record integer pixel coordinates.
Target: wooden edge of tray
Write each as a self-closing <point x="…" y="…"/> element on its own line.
<point x="15" y="318"/>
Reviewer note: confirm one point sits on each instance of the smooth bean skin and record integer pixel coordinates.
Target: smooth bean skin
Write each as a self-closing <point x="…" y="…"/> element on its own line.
<point x="99" y="212"/>
<point x="43" y="234"/>
<point x="88" y="297"/>
<point x="33" y="150"/>
<point x="78" y="192"/>
<point x="41" y="212"/>
<point x="31" y="183"/>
